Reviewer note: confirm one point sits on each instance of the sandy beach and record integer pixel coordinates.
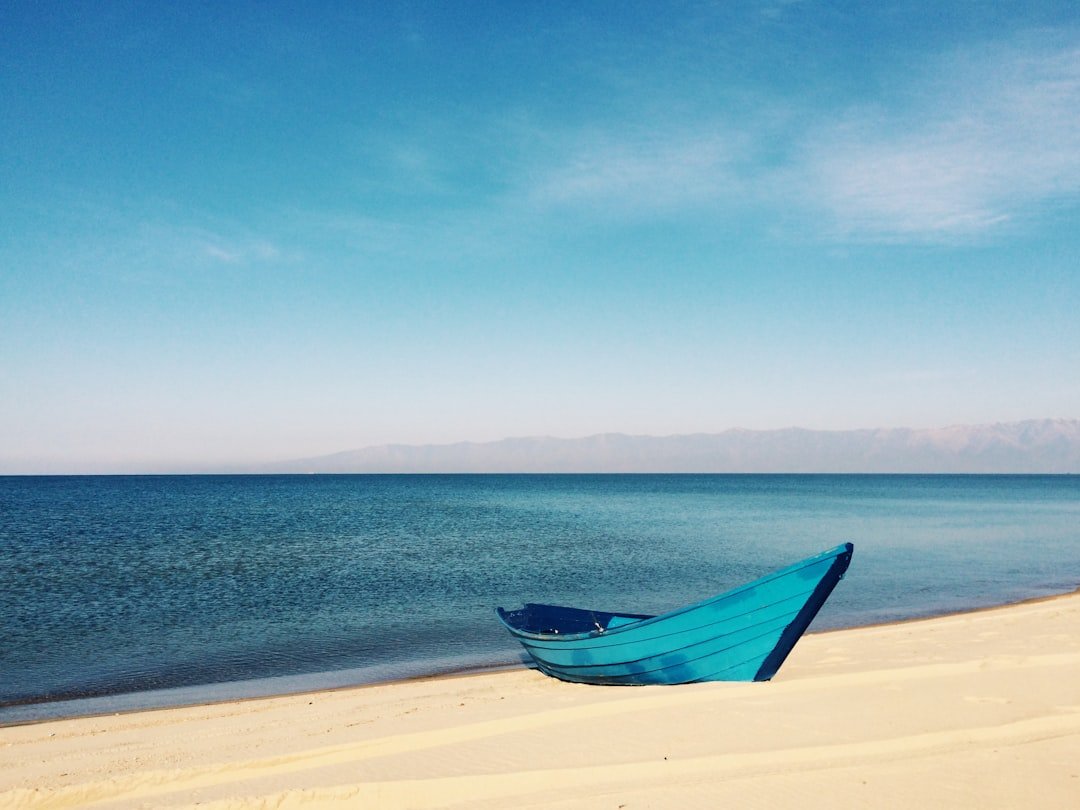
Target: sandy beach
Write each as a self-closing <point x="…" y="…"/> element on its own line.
<point x="970" y="710"/>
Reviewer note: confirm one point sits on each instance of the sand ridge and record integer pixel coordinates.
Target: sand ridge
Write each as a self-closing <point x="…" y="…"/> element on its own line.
<point x="978" y="709"/>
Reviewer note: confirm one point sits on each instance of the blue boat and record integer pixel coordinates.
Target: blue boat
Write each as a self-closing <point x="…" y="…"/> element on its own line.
<point x="742" y="635"/>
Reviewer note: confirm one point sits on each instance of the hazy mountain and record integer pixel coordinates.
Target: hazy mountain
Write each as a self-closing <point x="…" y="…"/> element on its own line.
<point x="1034" y="446"/>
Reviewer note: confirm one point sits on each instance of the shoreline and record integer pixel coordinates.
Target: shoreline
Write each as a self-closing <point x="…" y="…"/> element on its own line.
<point x="980" y="708"/>
<point x="434" y="676"/>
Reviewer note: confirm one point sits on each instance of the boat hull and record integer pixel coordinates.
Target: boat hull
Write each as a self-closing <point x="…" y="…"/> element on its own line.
<point x="742" y="635"/>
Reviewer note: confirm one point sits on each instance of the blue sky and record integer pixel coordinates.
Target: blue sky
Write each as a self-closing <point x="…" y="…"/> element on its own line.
<point x="277" y="230"/>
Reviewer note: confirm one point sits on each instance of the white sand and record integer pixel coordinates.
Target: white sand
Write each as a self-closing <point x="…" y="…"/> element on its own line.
<point x="973" y="710"/>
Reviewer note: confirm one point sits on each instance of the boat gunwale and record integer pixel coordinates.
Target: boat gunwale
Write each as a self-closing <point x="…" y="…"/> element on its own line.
<point x="837" y="551"/>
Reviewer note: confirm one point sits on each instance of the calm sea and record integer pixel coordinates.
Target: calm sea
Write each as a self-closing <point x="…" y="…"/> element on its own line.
<point x="120" y="592"/>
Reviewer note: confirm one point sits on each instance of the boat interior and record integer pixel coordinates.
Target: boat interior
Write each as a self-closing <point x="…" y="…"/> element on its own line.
<point x="557" y="620"/>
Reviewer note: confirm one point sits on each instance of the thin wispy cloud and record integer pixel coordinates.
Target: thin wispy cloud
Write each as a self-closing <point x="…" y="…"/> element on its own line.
<point x="989" y="145"/>
<point x="157" y="252"/>
<point x="181" y="245"/>
<point x="232" y="252"/>
<point x="656" y="171"/>
<point x="978" y="142"/>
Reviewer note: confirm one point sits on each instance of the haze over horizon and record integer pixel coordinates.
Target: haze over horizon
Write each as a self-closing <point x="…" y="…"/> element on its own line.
<point x="272" y="231"/>
<point x="1032" y="446"/>
<point x="1049" y="446"/>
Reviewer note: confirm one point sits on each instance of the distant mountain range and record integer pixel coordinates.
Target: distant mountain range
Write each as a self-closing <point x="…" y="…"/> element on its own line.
<point x="1033" y="446"/>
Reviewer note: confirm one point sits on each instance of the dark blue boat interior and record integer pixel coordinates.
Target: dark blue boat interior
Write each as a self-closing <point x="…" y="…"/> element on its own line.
<point x="556" y="620"/>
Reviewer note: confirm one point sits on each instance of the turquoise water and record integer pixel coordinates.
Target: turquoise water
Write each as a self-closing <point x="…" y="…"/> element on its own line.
<point x="137" y="591"/>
